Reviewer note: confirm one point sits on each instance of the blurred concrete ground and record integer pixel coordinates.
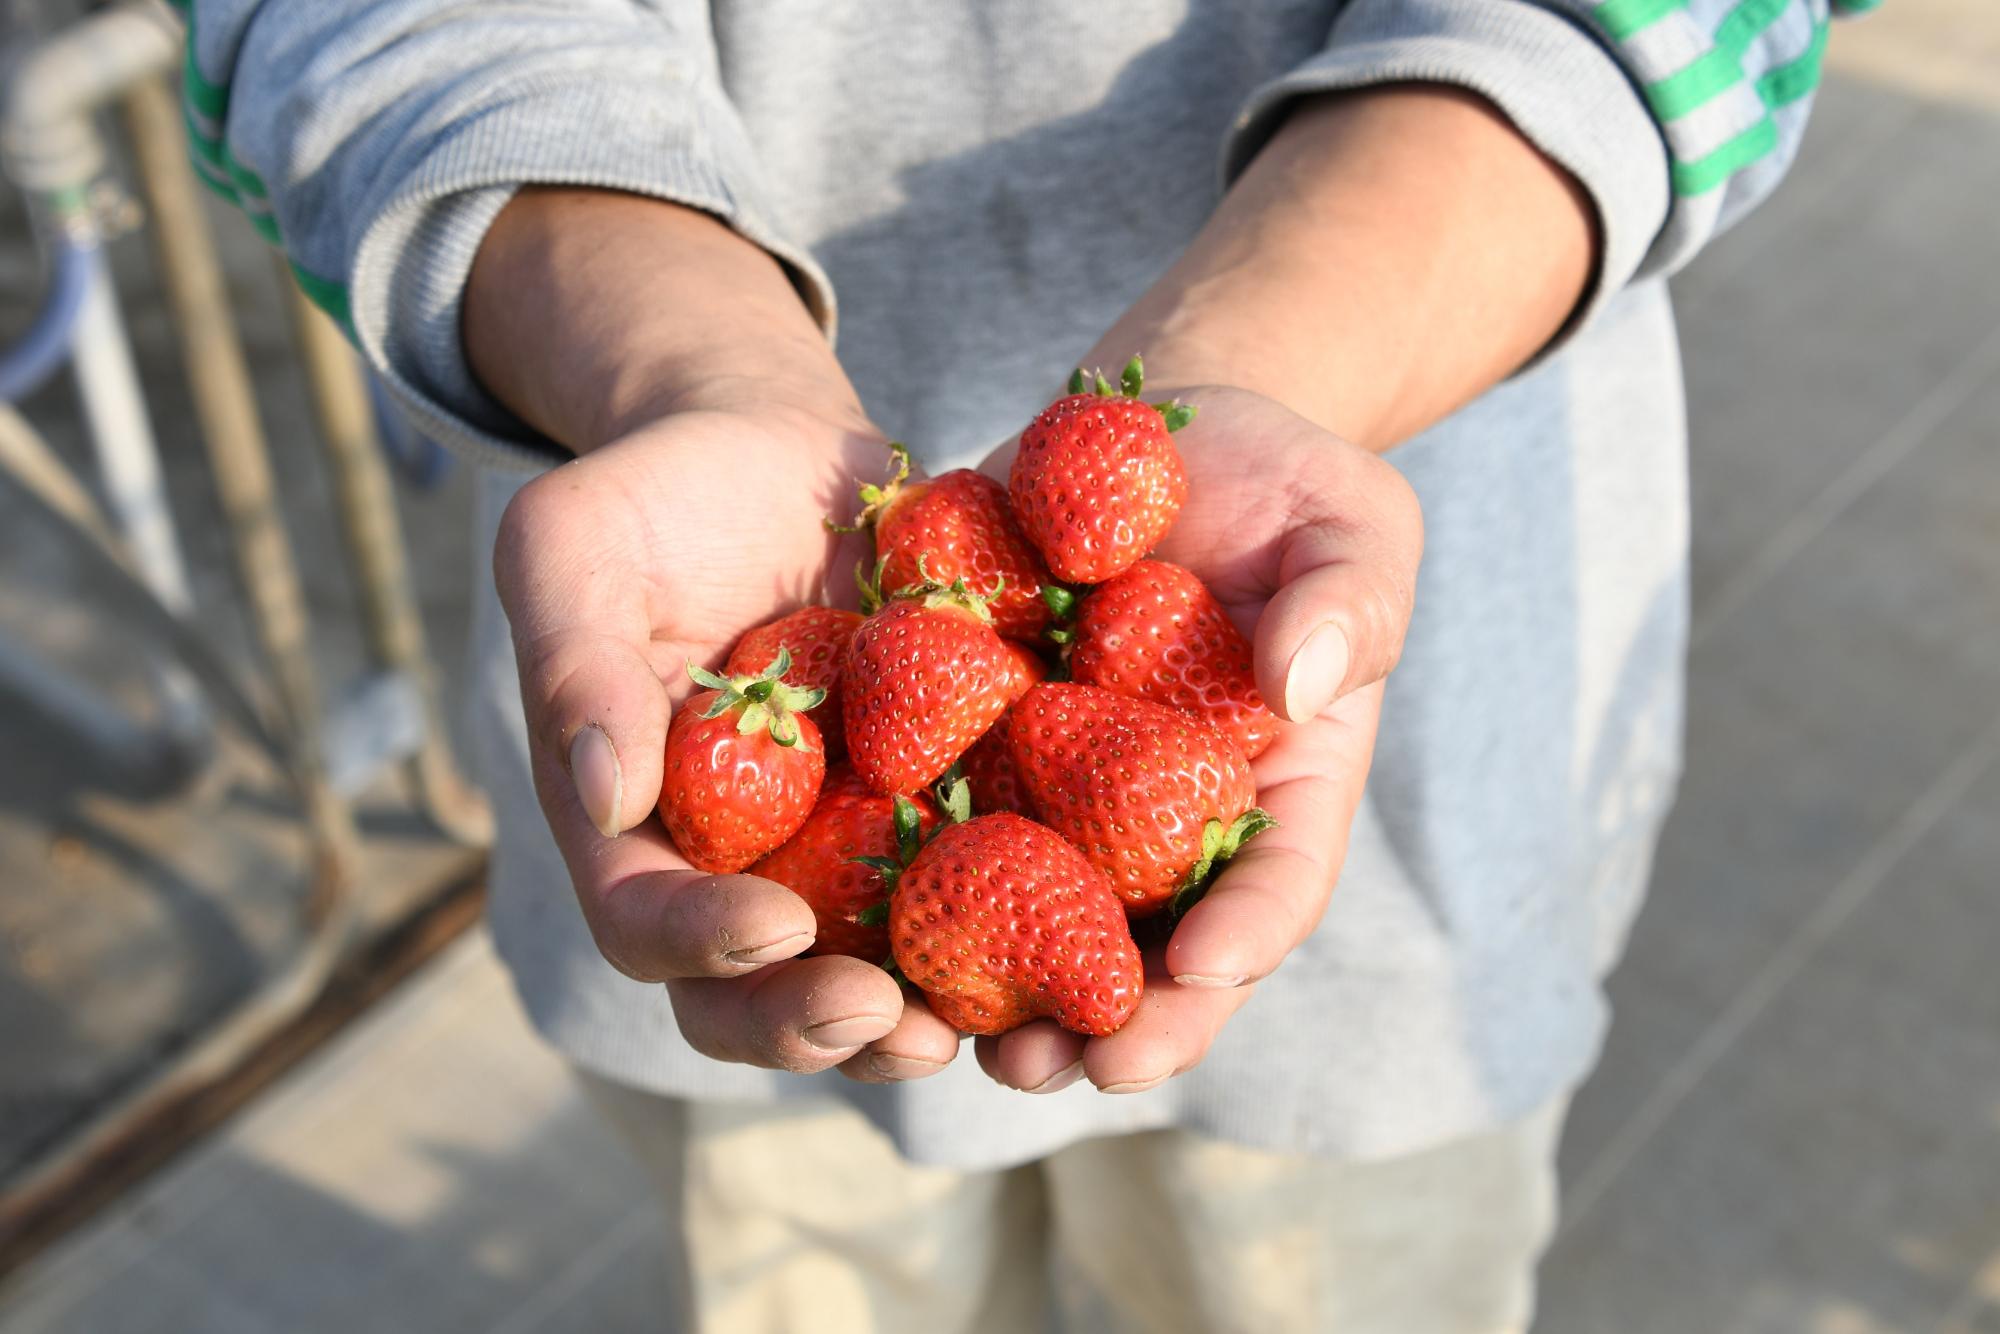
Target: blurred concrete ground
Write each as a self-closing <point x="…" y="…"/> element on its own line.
<point x="1797" y="1124"/>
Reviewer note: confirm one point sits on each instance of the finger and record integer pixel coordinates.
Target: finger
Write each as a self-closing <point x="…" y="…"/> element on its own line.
<point x="1272" y="893"/>
<point x="802" y="1015"/>
<point x="1041" y="1057"/>
<point x="1347" y="584"/>
<point x="1168" y="1035"/>
<point x="920" y="1045"/>
<point x="594" y="702"/>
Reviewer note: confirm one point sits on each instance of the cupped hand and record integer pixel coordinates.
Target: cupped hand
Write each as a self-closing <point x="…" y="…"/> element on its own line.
<point x="1312" y="545"/>
<point x="616" y="570"/>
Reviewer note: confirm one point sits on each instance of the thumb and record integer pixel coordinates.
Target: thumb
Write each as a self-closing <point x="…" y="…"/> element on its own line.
<point x="1347" y="588"/>
<point x="595" y="705"/>
<point x="596" y="709"/>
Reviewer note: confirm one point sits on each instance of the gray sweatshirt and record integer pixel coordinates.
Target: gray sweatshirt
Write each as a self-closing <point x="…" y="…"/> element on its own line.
<point x="918" y="166"/>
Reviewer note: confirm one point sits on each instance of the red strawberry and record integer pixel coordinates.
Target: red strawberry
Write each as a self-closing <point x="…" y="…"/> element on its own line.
<point x="924" y="677"/>
<point x="1156" y="633"/>
<point x="989" y="765"/>
<point x="1153" y="797"/>
<point x="1097" y="480"/>
<point x="743" y="764"/>
<point x="958" y="525"/>
<point x="1024" y="668"/>
<point x="999" y="921"/>
<point x="819" y="863"/>
<point x="817" y="639"/>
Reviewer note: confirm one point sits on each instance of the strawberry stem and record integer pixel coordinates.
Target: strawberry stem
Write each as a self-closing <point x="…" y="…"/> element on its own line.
<point x="874" y="499"/>
<point x="870" y="584"/>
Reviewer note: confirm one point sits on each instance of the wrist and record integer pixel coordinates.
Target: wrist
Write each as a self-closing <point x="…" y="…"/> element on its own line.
<point x="590" y="313"/>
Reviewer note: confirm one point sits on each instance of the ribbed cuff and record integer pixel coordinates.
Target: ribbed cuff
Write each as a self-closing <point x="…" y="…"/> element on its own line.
<point x="410" y="269"/>
<point x="1557" y="84"/>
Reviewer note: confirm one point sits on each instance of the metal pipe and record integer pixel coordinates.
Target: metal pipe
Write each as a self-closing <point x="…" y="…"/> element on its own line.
<point x="47" y="137"/>
<point x="128" y="457"/>
<point x="29" y="462"/>
<point x="365" y="504"/>
<point x="75" y="263"/>
<point x="239" y="460"/>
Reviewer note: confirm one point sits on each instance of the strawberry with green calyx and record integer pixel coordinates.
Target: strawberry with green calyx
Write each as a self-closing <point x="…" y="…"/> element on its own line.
<point x="1097" y="481"/>
<point x="954" y="798"/>
<point x="1153" y="797"/>
<point x="743" y="766"/>
<point x="999" y="921"/>
<point x="925" y="676"/>
<point x="816" y="638"/>
<point x="829" y="861"/>
<point x="1155" y="632"/>
<point x="958" y="526"/>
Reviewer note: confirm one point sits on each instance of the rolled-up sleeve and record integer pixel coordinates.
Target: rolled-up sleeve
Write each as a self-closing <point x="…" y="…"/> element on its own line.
<point x="377" y="142"/>
<point x="1675" y="116"/>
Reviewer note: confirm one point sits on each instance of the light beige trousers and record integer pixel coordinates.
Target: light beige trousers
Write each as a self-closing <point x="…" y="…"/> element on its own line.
<point x="804" y="1219"/>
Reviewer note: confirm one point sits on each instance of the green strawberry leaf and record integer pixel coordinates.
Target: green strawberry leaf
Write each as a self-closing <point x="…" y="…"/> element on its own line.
<point x="1177" y="414"/>
<point x="1218" y="845"/>
<point x="955" y="796"/>
<point x="1076" y="381"/>
<point x="909" y="828"/>
<point x="707" y="680"/>
<point x="875" y="914"/>
<point x="1133" y="377"/>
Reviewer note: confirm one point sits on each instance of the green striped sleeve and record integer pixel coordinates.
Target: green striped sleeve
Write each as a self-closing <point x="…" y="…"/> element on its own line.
<point x="205" y="110"/>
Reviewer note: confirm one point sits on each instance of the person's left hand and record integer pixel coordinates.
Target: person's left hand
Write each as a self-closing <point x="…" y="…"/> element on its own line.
<point x="1312" y="545"/>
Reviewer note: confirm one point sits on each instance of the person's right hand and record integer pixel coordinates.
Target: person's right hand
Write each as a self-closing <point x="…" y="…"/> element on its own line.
<point x="616" y="570"/>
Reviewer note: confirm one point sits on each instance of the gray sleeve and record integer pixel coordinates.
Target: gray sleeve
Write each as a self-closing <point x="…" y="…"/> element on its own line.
<point x="376" y="143"/>
<point x="1676" y="116"/>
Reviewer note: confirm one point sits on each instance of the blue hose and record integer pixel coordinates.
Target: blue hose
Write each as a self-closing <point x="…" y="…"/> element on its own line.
<point x="45" y="346"/>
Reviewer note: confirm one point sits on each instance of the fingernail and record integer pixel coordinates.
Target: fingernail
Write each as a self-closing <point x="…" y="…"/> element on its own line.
<point x="1135" y="1086"/>
<point x="1212" y="983"/>
<point x="840" y="1034"/>
<point x="902" y="1067"/>
<point x="1316" y="672"/>
<point x="1060" y="1080"/>
<point x="757" y="956"/>
<point x="593" y="767"/>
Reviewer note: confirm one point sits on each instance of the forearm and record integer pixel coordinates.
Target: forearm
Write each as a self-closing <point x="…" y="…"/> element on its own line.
<point x="1385" y="259"/>
<point x="589" y="313"/>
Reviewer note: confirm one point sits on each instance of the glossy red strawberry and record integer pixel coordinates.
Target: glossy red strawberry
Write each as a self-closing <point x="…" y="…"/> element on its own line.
<point x="1097" y="481"/>
<point x="1000" y="921"/>
<point x="819" y="862"/>
<point x="924" y="677"/>
<point x="1155" y="632"/>
<point x="989" y="765"/>
<point x="956" y="526"/>
<point x="1153" y="797"/>
<point x="816" y="637"/>
<point x="743" y="767"/>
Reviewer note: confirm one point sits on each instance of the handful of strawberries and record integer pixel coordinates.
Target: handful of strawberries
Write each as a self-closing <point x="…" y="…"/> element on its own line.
<point x="1046" y="737"/>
